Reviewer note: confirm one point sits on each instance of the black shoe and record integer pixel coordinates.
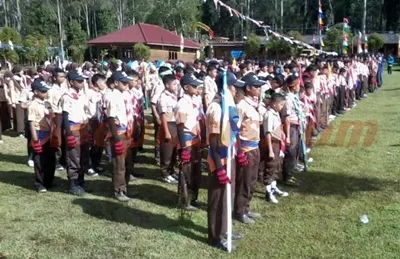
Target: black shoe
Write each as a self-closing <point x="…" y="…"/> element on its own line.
<point x="254" y="215"/>
<point x="76" y="190"/>
<point x="59" y="167"/>
<point x="293" y="182"/>
<point x="198" y="204"/>
<point x="41" y="189"/>
<point x="235" y="236"/>
<point x="223" y="245"/>
<point x="244" y="218"/>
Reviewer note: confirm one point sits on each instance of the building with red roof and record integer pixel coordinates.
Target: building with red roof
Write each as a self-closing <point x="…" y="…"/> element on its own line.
<point x="164" y="44"/>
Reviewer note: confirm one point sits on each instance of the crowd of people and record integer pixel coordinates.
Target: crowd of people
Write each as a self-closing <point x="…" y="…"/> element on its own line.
<point x="71" y="116"/>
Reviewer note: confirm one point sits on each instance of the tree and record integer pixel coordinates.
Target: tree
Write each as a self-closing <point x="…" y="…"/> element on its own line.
<point x="279" y="47"/>
<point x="375" y="42"/>
<point x="141" y="52"/>
<point x="35" y="48"/>
<point x="334" y="39"/>
<point x="252" y="45"/>
<point x="8" y="34"/>
<point x="77" y="41"/>
<point x="295" y="35"/>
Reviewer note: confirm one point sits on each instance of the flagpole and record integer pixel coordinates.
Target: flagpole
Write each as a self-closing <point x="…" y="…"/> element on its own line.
<point x="228" y="186"/>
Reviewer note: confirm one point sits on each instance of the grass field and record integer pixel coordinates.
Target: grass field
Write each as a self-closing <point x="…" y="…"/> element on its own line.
<point x="321" y="219"/>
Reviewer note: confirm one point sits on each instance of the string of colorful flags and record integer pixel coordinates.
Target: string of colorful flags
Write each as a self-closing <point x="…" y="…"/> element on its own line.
<point x="345" y="36"/>
<point x="321" y="16"/>
<point x="239" y="15"/>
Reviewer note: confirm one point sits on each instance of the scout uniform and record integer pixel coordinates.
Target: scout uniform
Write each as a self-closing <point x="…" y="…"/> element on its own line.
<point x="157" y="88"/>
<point x="166" y="107"/>
<point x="55" y="94"/>
<point x="98" y="127"/>
<point x="76" y="124"/>
<point x="117" y="107"/>
<point x="216" y="212"/>
<point x="272" y="125"/>
<point x="186" y="115"/>
<point x="210" y="89"/>
<point x="291" y="115"/>
<point x="138" y="114"/>
<point x="40" y="114"/>
<point x="246" y="176"/>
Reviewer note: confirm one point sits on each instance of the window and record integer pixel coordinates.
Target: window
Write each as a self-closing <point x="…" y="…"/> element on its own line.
<point x="172" y="55"/>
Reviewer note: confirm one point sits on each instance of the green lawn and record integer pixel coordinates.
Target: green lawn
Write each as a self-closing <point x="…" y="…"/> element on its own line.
<point x="321" y="219"/>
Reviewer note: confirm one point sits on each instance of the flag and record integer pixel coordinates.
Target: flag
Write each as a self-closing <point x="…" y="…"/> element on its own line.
<point x="182" y="43"/>
<point x="320" y="17"/>
<point x="229" y="131"/>
<point x="10" y="45"/>
<point x="359" y="43"/>
<point x="365" y="43"/>
<point x="398" y="49"/>
<point x="321" y="41"/>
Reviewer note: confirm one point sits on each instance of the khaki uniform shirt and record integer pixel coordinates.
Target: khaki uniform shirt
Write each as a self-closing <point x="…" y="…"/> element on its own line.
<point x="272" y="124"/>
<point x="249" y="123"/>
<point x="76" y="104"/>
<point x="210" y="89"/>
<point x="167" y="105"/>
<point x="115" y="107"/>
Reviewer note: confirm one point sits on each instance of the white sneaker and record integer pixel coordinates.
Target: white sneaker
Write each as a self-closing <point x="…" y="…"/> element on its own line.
<point x="281" y="154"/>
<point x="31" y="163"/>
<point x="280" y="193"/>
<point x="308" y="150"/>
<point x="21" y="135"/>
<point x="332" y="117"/>
<point x="310" y="160"/>
<point x="271" y="198"/>
<point x="170" y="180"/>
<point x="92" y="172"/>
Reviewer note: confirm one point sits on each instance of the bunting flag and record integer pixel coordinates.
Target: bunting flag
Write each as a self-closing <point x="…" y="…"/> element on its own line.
<point x="359" y="43"/>
<point x="10" y="44"/>
<point x="182" y="43"/>
<point x="365" y="43"/>
<point x="320" y="17"/>
<point x="345" y="35"/>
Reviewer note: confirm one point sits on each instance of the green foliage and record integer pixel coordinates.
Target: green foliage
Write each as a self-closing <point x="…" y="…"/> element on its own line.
<point x="141" y="52"/>
<point x="295" y="35"/>
<point x="334" y="39"/>
<point x="279" y="47"/>
<point x="35" y="48"/>
<point x="252" y="45"/>
<point x="107" y="21"/>
<point x="77" y="41"/>
<point x="375" y="42"/>
<point x="9" y="34"/>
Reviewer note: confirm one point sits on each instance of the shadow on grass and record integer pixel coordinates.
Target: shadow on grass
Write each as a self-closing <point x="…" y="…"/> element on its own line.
<point x="22" y="160"/>
<point x="326" y="184"/>
<point x="27" y="181"/>
<point x="390" y="89"/>
<point x="117" y="212"/>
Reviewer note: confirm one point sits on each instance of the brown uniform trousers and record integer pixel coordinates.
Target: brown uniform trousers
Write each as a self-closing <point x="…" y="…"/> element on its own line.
<point x="309" y="131"/>
<point x="78" y="157"/>
<point x="272" y="166"/>
<point x="216" y="211"/>
<point x="246" y="179"/>
<point x="168" y="150"/>
<point x="190" y="177"/>
<point x="45" y="165"/>
<point x="19" y="118"/>
<point x="122" y="165"/>
<point x="324" y="111"/>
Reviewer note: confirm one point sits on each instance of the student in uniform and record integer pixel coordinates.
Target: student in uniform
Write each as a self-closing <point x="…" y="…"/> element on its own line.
<point x="166" y="107"/>
<point x="292" y="118"/>
<point x="273" y="136"/>
<point x="58" y="89"/>
<point x="210" y="87"/>
<point x="216" y="212"/>
<point x="248" y="154"/>
<point x="117" y="111"/>
<point x="40" y="120"/>
<point x="97" y="122"/>
<point x="187" y="128"/>
<point x="156" y="90"/>
<point x="74" y="105"/>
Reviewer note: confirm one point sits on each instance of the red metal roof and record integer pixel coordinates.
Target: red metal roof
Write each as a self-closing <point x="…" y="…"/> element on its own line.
<point x="144" y="33"/>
